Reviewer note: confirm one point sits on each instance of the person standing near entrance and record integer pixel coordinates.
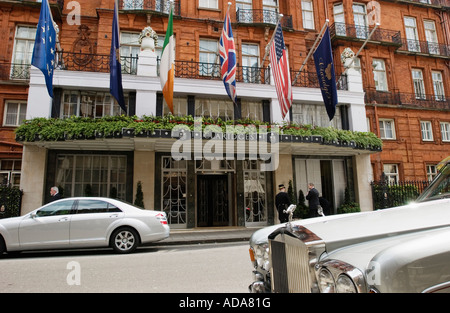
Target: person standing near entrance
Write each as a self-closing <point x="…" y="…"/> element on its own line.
<point x="282" y="202"/>
<point x="313" y="200"/>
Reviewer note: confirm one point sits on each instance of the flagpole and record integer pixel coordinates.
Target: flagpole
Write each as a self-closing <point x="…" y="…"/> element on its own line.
<point x="280" y="16"/>
<point x="311" y="51"/>
<point x="362" y="47"/>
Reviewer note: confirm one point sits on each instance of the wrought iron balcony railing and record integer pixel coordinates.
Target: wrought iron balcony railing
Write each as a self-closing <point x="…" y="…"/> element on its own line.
<point x="310" y="80"/>
<point x="73" y="61"/>
<point x="424" y="101"/>
<point x="262" y="17"/>
<point x="425" y="47"/>
<point x="14" y="72"/>
<point x="211" y="71"/>
<point x="159" y="6"/>
<point x="356" y="32"/>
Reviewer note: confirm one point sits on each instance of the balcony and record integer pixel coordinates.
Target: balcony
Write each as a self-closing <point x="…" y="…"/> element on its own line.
<point x="425" y="48"/>
<point x="211" y="71"/>
<point x="13" y="72"/>
<point x="428" y="3"/>
<point x="150" y="6"/>
<point x="361" y="33"/>
<point x="433" y="102"/>
<point x="310" y="80"/>
<point x="85" y="62"/>
<point x="264" y="17"/>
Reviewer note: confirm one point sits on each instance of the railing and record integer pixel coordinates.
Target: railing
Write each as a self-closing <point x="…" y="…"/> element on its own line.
<point x="437" y="3"/>
<point x="349" y="31"/>
<point x="310" y="80"/>
<point x="211" y="71"/>
<point x="262" y="17"/>
<point x="425" y="47"/>
<point x="14" y="71"/>
<point x="427" y="101"/>
<point x="72" y="61"/>
<point x="390" y="194"/>
<point x="160" y="6"/>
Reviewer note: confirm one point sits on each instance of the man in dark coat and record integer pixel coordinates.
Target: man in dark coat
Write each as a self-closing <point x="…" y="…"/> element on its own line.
<point x="313" y="200"/>
<point x="55" y="195"/>
<point x="282" y="202"/>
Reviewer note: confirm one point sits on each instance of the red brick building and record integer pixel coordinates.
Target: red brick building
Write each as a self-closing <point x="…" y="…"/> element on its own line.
<point x="404" y="67"/>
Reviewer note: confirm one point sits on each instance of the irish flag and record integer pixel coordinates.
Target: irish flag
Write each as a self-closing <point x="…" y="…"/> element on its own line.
<point x="167" y="69"/>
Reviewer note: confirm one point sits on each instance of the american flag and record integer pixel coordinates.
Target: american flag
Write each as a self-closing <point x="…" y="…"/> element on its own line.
<point x="280" y="68"/>
<point x="227" y="53"/>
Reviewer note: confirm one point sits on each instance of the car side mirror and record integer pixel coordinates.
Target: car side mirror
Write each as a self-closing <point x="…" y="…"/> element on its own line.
<point x="33" y="215"/>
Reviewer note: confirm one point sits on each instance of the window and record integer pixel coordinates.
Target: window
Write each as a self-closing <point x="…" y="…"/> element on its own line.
<point x="250" y="63"/>
<point x="179" y="107"/>
<point x="252" y="110"/>
<point x="15" y="113"/>
<point x="419" y="87"/>
<point x="438" y="86"/>
<point x="431" y="172"/>
<point x="307" y="14"/>
<point x="387" y="129"/>
<point x="430" y="34"/>
<point x="339" y="19"/>
<point x="10" y="172"/>
<point x="92" y="175"/>
<point x="96" y="206"/>
<point x="427" y="131"/>
<point x="244" y="11"/>
<point x="209" y="58"/>
<point x="214" y="108"/>
<point x="412" y="38"/>
<point x="23" y="51"/>
<point x="360" y="19"/>
<point x="129" y="47"/>
<point x="445" y="131"/>
<point x="208" y="4"/>
<point x="89" y="104"/>
<point x="316" y="115"/>
<point x="391" y="172"/>
<point x="60" y="208"/>
<point x="270" y="11"/>
<point x="379" y="75"/>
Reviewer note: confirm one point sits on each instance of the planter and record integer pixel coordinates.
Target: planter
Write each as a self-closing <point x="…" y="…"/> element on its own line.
<point x="285" y="138"/>
<point x="181" y="134"/>
<point x="273" y="138"/>
<point x="252" y="137"/>
<point x="316" y="139"/>
<point x="141" y="134"/>
<point x="128" y="132"/>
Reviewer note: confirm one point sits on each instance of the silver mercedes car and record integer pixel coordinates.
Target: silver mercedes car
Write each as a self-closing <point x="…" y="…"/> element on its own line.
<point x="83" y="223"/>
<point x="402" y="249"/>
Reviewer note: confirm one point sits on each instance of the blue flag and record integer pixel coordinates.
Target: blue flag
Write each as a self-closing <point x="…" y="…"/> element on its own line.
<point x="323" y="58"/>
<point x="115" y="85"/>
<point x="45" y="46"/>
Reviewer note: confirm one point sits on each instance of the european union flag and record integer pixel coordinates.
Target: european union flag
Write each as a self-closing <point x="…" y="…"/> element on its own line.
<point x="115" y="86"/>
<point x="323" y="58"/>
<point x="45" y="46"/>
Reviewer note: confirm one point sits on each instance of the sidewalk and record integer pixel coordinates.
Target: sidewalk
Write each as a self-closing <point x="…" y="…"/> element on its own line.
<point x="207" y="235"/>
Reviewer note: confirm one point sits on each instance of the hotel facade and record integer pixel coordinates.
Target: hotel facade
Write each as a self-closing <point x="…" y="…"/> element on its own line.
<point x="200" y="191"/>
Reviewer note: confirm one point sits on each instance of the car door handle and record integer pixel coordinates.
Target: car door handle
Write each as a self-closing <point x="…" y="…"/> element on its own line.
<point x="64" y="219"/>
<point x="114" y="216"/>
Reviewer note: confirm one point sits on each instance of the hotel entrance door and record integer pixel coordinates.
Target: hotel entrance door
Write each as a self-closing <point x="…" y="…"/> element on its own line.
<point x="212" y="200"/>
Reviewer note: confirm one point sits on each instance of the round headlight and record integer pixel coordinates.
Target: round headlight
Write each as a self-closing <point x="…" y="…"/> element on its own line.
<point x="326" y="281"/>
<point x="344" y="284"/>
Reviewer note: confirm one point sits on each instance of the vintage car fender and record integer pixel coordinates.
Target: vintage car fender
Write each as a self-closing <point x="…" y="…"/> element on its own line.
<point x="415" y="262"/>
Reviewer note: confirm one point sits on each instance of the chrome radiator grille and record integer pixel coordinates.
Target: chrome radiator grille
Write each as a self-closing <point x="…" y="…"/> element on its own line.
<point x="291" y="260"/>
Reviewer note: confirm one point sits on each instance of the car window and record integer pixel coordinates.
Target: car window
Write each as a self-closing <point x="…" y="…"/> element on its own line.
<point x="57" y="208"/>
<point x="439" y="187"/>
<point x="95" y="206"/>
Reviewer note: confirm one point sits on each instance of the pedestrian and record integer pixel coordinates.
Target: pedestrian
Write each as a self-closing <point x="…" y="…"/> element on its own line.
<point x="282" y="202"/>
<point x="55" y="195"/>
<point x="313" y="200"/>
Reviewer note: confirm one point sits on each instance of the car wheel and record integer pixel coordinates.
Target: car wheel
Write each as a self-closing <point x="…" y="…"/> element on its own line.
<point x="2" y="246"/>
<point x="124" y="240"/>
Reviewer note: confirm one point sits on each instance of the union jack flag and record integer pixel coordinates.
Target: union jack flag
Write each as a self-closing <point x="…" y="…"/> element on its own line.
<point x="280" y="69"/>
<point x="227" y="53"/>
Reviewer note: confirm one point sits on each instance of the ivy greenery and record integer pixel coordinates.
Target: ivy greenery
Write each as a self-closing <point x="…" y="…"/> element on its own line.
<point x="43" y="129"/>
